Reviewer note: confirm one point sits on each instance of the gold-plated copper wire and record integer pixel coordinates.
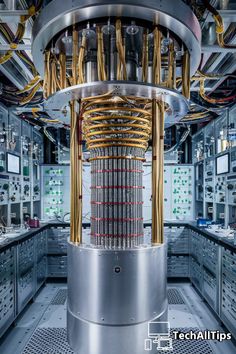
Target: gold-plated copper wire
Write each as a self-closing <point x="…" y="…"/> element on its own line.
<point x="171" y="67"/>
<point x="115" y="122"/>
<point x="80" y="79"/>
<point x="76" y="175"/>
<point x="121" y="68"/>
<point x="145" y="58"/>
<point x="186" y="74"/>
<point x="62" y="61"/>
<point x="46" y="82"/>
<point x="157" y="172"/>
<point x="74" y="56"/>
<point x="157" y="57"/>
<point x="102" y="76"/>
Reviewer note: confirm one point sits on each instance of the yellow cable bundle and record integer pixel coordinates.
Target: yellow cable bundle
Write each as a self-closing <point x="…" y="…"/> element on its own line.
<point x="4" y="58"/>
<point x="145" y="58"/>
<point x="202" y="93"/>
<point x="27" y="99"/>
<point x="121" y="70"/>
<point x="100" y="57"/>
<point x="76" y="175"/>
<point x="46" y="82"/>
<point x="18" y="36"/>
<point x="30" y="85"/>
<point x="80" y="79"/>
<point x="158" y="116"/>
<point x="219" y="26"/>
<point x="157" y="57"/>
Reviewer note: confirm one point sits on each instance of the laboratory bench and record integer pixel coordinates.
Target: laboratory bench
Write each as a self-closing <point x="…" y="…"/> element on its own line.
<point x="208" y="260"/>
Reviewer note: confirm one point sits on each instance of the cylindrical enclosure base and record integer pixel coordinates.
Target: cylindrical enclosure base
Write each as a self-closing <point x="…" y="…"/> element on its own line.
<point x="112" y="297"/>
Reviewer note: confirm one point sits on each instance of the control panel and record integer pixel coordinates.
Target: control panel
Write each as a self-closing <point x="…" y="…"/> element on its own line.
<point x="14" y="189"/>
<point x="233" y="160"/>
<point x="178" y="192"/>
<point x="198" y="147"/>
<point x="4" y="189"/>
<point x="3" y="138"/>
<point x="55" y="189"/>
<point x="182" y="192"/>
<point x="14" y="134"/>
<point x="209" y="180"/>
<point x="231" y="186"/>
<point x="26" y="189"/>
<point x="220" y="189"/>
<point x="21" y="153"/>
<point x="26" y="139"/>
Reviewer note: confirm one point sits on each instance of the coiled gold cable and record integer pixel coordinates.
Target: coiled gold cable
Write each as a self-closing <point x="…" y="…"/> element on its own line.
<point x="114" y="121"/>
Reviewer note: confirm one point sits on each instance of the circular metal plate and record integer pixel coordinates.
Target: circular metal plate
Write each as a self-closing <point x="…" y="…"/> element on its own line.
<point x="172" y="14"/>
<point x="57" y="105"/>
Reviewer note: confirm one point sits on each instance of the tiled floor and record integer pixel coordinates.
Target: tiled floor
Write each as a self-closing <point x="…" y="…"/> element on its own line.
<point x="41" y="328"/>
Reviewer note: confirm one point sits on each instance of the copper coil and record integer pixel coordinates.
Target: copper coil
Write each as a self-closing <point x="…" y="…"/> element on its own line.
<point x="115" y="121"/>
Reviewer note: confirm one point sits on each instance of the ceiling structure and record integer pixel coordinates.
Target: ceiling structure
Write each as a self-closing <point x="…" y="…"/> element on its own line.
<point x="212" y="88"/>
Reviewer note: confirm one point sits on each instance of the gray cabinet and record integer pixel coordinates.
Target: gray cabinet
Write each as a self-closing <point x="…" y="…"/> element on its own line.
<point x="196" y="250"/>
<point x="228" y="302"/>
<point x="41" y="258"/>
<point x="25" y="272"/>
<point x="7" y="288"/>
<point x="211" y="273"/>
<point x="177" y="238"/>
<point x="57" y="251"/>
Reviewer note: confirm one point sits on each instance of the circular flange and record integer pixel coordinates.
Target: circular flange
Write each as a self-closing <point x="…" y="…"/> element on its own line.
<point x="172" y="14"/>
<point x="57" y="105"/>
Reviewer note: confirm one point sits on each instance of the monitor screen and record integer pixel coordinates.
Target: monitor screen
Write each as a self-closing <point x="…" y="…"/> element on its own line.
<point x="222" y="164"/>
<point x="158" y="329"/>
<point x="13" y="163"/>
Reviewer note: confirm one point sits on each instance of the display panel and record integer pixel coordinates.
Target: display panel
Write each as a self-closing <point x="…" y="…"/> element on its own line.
<point x="222" y="164"/>
<point x="13" y="163"/>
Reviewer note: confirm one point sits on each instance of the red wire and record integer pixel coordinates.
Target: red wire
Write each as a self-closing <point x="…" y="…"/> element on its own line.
<point x="223" y="99"/>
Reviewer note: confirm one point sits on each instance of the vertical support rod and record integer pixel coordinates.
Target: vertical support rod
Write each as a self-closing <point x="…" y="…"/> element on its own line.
<point x="74" y="56"/>
<point x="157" y="172"/>
<point x="157" y="57"/>
<point x="47" y="75"/>
<point x="171" y="67"/>
<point x="75" y="176"/>
<point x="145" y="58"/>
<point x="186" y="75"/>
<point x="62" y="60"/>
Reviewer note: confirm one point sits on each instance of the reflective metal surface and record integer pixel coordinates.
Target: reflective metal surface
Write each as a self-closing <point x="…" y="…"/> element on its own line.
<point x="57" y="104"/>
<point x="174" y="14"/>
<point x="112" y="295"/>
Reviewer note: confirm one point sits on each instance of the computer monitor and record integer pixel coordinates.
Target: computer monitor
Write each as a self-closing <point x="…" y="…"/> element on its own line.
<point x="222" y="164"/>
<point x="158" y="329"/>
<point x="13" y="163"/>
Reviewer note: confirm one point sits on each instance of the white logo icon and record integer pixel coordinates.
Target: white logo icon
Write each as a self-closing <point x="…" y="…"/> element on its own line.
<point x="158" y="334"/>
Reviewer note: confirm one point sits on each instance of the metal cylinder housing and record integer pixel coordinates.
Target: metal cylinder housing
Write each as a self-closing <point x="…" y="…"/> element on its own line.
<point x="112" y="297"/>
<point x="175" y="15"/>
